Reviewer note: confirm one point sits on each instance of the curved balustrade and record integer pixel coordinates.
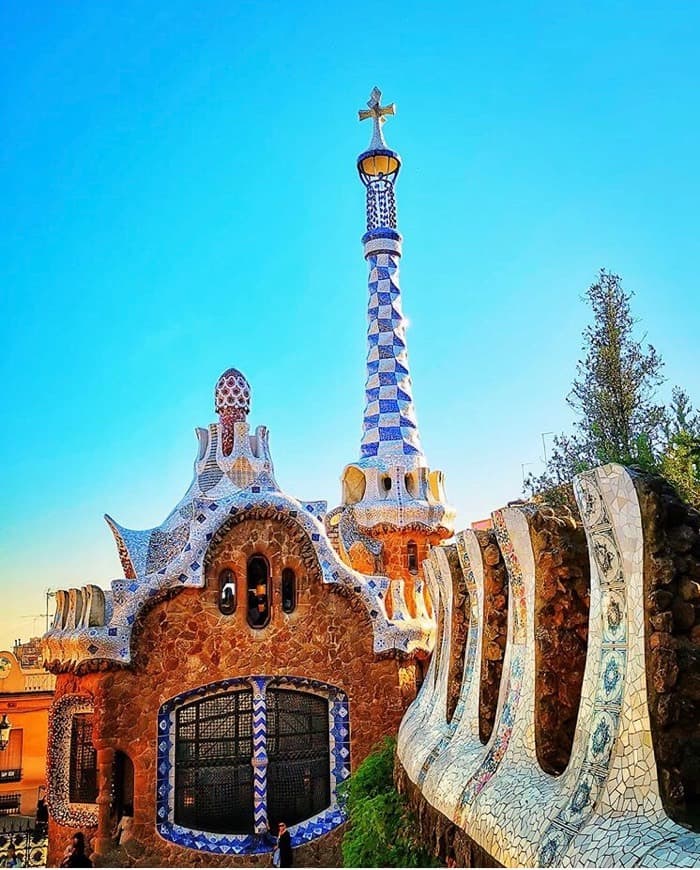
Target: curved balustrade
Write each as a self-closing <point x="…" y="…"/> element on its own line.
<point x="605" y="807"/>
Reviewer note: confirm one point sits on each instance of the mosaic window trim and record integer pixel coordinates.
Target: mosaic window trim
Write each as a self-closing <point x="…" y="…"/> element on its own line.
<point x="73" y="815"/>
<point x="251" y="844"/>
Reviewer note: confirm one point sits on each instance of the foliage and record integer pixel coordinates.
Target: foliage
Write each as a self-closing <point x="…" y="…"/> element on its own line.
<point x="382" y="831"/>
<point x="680" y="462"/>
<point x="618" y="417"/>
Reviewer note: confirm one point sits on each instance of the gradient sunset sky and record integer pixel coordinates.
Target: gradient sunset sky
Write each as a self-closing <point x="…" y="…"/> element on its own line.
<point x="179" y="195"/>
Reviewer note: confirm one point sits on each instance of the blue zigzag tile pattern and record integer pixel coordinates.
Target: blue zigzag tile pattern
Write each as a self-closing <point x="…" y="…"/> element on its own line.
<point x="259" y="754"/>
<point x="259" y="842"/>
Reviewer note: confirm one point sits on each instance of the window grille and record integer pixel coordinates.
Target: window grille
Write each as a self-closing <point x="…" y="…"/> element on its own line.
<point x="227" y="592"/>
<point x="213" y="771"/>
<point x="11" y="758"/>
<point x="298" y="773"/>
<point x="289" y="590"/>
<point x="258" y="592"/>
<point x="83" y="761"/>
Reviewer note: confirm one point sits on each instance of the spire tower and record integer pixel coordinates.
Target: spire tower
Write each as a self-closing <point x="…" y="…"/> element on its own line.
<point x="394" y="506"/>
<point x="390" y="426"/>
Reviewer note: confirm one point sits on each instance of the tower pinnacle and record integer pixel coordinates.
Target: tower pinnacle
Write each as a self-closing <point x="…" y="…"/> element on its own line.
<point x="377" y="112"/>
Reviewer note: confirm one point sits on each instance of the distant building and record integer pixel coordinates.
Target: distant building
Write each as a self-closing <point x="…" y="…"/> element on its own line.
<point x="26" y="692"/>
<point x="482" y="525"/>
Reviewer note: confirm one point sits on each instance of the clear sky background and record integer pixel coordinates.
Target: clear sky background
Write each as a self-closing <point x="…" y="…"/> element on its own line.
<point x="178" y="194"/>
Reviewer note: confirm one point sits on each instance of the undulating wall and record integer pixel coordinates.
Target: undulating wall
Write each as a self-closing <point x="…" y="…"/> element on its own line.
<point x="575" y="768"/>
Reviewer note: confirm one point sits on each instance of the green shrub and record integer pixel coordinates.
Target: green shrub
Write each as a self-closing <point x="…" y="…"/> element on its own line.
<point x="382" y="831"/>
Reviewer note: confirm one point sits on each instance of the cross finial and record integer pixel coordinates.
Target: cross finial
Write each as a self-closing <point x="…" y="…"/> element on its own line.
<point x="377" y="112"/>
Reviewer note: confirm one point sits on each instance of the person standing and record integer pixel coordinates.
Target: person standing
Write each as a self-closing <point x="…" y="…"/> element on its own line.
<point x="75" y="852"/>
<point x="284" y="844"/>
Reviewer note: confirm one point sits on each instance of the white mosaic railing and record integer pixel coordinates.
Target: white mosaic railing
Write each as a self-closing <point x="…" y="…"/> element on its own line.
<point x="605" y="809"/>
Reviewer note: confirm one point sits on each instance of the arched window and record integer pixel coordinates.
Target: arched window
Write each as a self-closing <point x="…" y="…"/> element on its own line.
<point x="299" y="745"/>
<point x="258" y="592"/>
<point x="227" y="592"/>
<point x="386" y="483"/>
<point x="83" y="761"/>
<point x="412" y="556"/>
<point x="289" y="590"/>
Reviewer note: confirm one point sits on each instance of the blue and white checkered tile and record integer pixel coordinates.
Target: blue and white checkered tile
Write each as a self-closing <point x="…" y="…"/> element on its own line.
<point x="390" y="426"/>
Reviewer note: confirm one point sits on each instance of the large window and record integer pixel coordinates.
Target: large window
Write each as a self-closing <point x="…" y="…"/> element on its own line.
<point x="213" y="771"/>
<point x="298" y="773"/>
<point x="83" y="761"/>
<point x="11" y="758"/>
<point x="216" y="789"/>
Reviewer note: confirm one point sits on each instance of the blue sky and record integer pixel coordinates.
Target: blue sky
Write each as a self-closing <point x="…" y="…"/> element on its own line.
<point x="179" y="195"/>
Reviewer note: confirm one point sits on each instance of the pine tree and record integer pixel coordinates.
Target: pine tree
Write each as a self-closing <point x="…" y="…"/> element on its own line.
<point x="613" y="394"/>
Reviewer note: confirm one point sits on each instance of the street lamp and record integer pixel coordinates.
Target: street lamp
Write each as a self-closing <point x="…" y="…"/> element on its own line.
<point x="5" y="728"/>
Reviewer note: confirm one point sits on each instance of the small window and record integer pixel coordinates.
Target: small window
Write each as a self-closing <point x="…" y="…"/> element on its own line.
<point x="412" y="554"/>
<point x="227" y="592"/>
<point x="83" y="761"/>
<point x="258" y="592"/>
<point x="11" y="758"/>
<point x="289" y="590"/>
<point x="386" y="483"/>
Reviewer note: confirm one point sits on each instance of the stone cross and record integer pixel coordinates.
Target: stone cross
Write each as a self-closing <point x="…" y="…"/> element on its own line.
<point x="377" y="112"/>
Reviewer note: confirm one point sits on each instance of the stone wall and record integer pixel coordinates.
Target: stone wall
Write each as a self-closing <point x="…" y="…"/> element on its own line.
<point x="639" y="655"/>
<point x="437" y="832"/>
<point x="393" y="561"/>
<point x="672" y="629"/>
<point x="60" y="834"/>
<point x="459" y="617"/>
<point x="185" y="642"/>
<point x="495" y="624"/>
<point x="562" y="597"/>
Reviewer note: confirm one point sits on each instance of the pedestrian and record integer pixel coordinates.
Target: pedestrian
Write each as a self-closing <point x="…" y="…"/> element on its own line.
<point x="42" y="817"/>
<point x="12" y="859"/>
<point x="284" y="845"/>
<point x="74" y="855"/>
<point x="124" y="829"/>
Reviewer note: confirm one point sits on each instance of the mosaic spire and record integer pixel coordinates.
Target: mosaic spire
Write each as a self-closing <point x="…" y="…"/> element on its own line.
<point x="390" y="427"/>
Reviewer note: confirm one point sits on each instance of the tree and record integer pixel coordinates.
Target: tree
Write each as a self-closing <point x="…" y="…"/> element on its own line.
<point x="613" y="394"/>
<point x="680" y="462"/>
